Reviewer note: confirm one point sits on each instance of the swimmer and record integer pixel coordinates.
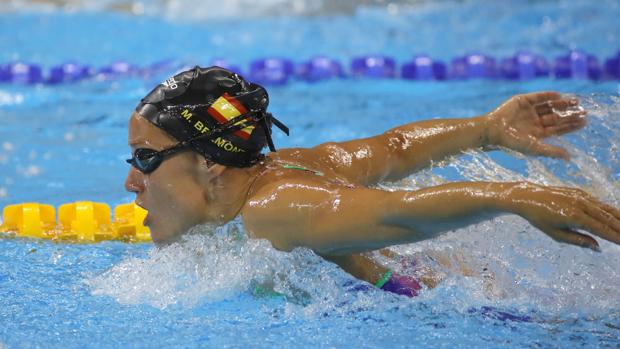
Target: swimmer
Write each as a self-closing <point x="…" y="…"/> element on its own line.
<point x="197" y="146"/>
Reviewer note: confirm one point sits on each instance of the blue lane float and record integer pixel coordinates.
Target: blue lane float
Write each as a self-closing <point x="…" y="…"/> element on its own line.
<point x="5" y="73"/>
<point x="373" y="67"/>
<point x="523" y="65"/>
<point x="577" y="65"/>
<point x="271" y="71"/>
<point x="320" y="68"/>
<point x="226" y="64"/>
<point x="473" y="66"/>
<point x="164" y="66"/>
<point x="21" y="73"/>
<point x="69" y="72"/>
<point x="423" y="67"/>
<point x="612" y="66"/>
<point x="117" y="69"/>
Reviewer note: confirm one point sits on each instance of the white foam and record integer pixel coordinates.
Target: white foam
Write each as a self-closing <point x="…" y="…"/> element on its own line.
<point x="214" y="263"/>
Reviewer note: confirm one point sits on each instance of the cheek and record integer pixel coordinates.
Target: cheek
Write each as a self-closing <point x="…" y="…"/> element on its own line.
<point x="174" y="207"/>
<point x="179" y="194"/>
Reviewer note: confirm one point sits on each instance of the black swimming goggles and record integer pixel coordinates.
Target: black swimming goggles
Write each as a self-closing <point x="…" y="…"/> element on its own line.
<point x="148" y="160"/>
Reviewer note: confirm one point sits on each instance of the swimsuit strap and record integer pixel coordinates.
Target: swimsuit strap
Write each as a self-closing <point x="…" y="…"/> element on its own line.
<point x="283" y="165"/>
<point x="384" y="279"/>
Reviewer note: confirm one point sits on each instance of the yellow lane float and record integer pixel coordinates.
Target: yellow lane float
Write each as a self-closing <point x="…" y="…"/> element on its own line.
<point x="81" y="221"/>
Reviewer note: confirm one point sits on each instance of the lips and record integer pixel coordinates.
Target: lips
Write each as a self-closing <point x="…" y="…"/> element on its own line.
<point x="140" y="204"/>
<point x="146" y="220"/>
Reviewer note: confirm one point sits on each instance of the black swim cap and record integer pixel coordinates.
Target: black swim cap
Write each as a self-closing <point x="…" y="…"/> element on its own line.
<point x="221" y="115"/>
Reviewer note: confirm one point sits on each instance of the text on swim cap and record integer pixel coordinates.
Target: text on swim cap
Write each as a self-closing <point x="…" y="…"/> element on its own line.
<point x="170" y="83"/>
<point x="202" y="128"/>
<point x="226" y="145"/>
<point x="186" y="114"/>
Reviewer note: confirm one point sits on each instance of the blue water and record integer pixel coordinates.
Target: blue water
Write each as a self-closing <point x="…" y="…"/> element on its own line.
<point x="64" y="143"/>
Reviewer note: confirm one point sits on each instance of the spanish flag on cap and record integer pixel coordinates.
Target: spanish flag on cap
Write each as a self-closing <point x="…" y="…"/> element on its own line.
<point x="225" y="108"/>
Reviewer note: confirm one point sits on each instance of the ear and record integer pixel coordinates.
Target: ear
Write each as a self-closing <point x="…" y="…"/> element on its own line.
<point x="214" y="170"/>
<point x="208" y="170"/>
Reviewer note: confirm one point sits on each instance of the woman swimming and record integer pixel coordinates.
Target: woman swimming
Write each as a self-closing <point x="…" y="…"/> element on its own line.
<point x="197" y="143"/>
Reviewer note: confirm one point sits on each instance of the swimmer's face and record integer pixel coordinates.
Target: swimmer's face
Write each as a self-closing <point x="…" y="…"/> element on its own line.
<point x="174" y="193"/>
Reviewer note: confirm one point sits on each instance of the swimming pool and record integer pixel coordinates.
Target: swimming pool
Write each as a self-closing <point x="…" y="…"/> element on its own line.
<point x="67" y="142"/>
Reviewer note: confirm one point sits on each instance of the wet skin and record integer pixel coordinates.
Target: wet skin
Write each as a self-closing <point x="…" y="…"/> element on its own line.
<point x="339" y="216"/>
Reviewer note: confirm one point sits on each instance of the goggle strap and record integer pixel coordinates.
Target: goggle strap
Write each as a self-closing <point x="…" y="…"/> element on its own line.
<point x="223" y="129"/>
<point x="263" y="121"/>
<point x="228" y="127"/>
<point x="278" y="123"/>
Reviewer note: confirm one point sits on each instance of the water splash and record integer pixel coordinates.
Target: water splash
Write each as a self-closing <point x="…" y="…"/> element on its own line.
<point x="211" y="263"/>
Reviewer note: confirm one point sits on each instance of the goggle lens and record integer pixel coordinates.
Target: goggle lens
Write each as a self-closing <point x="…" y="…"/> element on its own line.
<point x="145" y="160"/>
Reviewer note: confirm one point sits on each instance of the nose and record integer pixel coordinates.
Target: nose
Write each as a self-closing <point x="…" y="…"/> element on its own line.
<point x="134" y="182"/>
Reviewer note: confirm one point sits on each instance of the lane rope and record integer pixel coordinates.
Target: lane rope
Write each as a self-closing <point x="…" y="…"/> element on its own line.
<point x="81" y="221"/>
<point x="523" y="65"/>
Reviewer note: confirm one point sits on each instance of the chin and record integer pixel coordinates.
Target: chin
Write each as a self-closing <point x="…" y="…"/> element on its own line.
<point x="163" y="237"/>
<point x="157" y="239"/>
<point x="156" y="233"/>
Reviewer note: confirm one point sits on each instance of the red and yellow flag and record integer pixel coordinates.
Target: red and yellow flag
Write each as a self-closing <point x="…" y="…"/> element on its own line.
<point x="227" y="107"/>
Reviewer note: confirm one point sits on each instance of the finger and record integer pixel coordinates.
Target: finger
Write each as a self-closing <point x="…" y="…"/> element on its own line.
<point x="571" y="115"/>
<point x="543" y="108"/>
<point x="612" y="210"/>
<point x="597" y="213"/>
<point x="550" y="119"/>
<point x="539" y="97"/>
<point x="555" y="116"/>
<point x="547" y="107"/>
<point x="549" y="150"/>
<point x="564" y="103"/>
<point x="574" y="238"/>
<point x="561" y="129"/>
<point x="608" y="209"/>
<point x="555" y="119"/>
<point x="600" y="229"/>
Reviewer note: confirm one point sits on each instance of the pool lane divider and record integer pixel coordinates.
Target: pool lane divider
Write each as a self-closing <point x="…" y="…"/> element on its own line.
<point x="522" y="65"/>
<point x="81" y="221"/>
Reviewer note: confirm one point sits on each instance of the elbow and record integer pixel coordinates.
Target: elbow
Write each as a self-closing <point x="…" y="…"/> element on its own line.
<point x="402" y="157"/>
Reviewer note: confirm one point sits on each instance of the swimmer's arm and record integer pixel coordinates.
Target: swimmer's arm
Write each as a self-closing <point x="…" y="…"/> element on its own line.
<point x="521" y="123"/>
<point x="341" y="221"/>
<point x="401" y="151"/>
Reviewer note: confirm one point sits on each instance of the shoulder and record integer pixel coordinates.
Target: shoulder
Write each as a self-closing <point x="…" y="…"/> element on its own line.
<point x="281" y="208"/>
<point x="281" y="192"/>
<point x="266" y="213"/>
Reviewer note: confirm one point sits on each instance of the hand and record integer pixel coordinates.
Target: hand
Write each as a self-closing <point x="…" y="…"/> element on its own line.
<point x="522" y="122"/>
<point x="558" y="212"/>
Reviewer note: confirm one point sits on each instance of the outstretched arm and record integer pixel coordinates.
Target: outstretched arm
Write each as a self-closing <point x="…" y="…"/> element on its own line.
<point x="521" y="123"/>
<point x="335" y="220"/>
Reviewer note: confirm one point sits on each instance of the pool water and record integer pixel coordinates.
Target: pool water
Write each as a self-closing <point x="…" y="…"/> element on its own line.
<point x="63" y="143"/>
